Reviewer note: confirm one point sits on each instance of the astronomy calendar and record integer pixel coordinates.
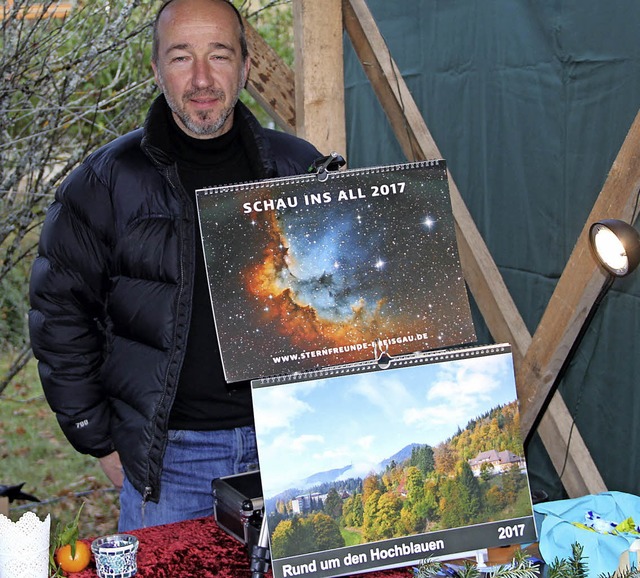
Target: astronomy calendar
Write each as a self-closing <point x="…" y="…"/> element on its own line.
<point x="331" y="268"/>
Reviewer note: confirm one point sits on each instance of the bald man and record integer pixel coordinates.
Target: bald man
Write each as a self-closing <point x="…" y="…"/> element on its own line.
<point x="121" y="322"/>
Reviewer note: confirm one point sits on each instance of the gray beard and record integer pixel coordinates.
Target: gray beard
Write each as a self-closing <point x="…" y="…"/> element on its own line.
<point x="204" y="128"/>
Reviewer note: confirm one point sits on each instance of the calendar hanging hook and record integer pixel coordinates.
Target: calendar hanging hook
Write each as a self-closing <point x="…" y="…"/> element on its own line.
<point x="323" y="165"/>
<point x="383" y="359"/>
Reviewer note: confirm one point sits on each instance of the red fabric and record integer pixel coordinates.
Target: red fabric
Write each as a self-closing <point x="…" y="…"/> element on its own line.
<point x="199" y="549"/>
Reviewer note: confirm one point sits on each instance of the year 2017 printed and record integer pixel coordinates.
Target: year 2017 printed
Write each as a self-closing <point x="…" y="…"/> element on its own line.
<point x="510" y="532"/>
<point x="387" y="189"/>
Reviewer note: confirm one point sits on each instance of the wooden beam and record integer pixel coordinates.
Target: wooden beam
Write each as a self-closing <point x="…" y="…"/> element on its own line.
<point x="578" y="286"/>
<point x="319" y="68"/>
<point x="482" y="276"/>
<point x="271" y="82"/>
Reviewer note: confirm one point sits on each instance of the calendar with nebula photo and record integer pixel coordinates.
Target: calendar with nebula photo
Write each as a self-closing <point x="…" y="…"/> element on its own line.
<point x="325" y="269"/>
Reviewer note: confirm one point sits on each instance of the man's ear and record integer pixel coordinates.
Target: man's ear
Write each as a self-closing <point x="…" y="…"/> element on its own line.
<point x="247" y="70"/>
<point x="155" y="74"/>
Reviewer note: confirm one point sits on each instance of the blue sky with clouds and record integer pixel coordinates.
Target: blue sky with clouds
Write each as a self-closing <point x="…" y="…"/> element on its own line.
<point x="360" y="419"/>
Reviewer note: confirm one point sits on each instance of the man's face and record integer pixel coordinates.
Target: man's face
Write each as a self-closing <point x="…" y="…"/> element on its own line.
<point x="200" y="67"/>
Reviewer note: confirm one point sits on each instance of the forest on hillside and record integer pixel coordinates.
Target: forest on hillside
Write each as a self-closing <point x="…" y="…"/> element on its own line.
<point x="435" y="489"/>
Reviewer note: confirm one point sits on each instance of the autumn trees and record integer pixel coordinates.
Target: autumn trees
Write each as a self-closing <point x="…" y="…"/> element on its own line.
<point x="434" y="489"/>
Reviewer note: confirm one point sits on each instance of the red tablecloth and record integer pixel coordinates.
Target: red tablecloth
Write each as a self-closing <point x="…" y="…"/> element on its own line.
<point x="198" y="549"/>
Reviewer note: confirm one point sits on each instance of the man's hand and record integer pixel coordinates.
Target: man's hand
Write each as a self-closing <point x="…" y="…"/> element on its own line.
<point x="112" y="467"/>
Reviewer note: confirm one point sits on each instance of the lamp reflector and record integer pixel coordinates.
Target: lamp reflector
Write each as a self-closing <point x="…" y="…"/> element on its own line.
<point x="616" y="245"/>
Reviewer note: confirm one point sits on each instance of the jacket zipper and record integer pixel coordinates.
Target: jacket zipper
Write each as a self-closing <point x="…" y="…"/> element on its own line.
<point x="143" y="506"/>
<point x="148" y="491"/>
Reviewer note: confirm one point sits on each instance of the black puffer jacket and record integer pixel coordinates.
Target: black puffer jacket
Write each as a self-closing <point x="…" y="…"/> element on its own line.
<point x="111" y="289"/>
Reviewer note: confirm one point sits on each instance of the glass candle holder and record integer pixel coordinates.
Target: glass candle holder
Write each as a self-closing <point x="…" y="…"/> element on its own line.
<point x="116" y="555"/>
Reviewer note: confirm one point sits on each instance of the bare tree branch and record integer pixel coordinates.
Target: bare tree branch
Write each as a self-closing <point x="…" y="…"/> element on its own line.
<point x="20" y="360"/>
<point x="67" y="86"/>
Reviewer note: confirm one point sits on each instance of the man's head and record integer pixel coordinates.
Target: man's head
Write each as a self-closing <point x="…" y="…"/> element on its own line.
<point x="200" y="62"/>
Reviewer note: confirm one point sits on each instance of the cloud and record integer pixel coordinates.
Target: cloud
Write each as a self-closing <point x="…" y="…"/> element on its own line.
<point x="277" y="407"/>
<point x="306" y="442"/>
<point x="334" y="457"/>
<point x="460" y="392"/>
<point x="464" y="384"/>
<point x="389" y="394"/>
<point x="365" y="442"/>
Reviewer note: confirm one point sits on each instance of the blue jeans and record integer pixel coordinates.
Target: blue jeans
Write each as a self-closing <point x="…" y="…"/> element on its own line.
<point x="193" y="459"/>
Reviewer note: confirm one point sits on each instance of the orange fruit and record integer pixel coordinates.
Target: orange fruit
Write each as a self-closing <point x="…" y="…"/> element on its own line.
<point x="76" y="563"/>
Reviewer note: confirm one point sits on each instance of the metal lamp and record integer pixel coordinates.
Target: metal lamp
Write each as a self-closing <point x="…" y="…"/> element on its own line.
<point x="616" y="246"/>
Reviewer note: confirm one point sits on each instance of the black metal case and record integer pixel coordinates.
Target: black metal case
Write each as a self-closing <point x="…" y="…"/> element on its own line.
<point x="238" y="506"/>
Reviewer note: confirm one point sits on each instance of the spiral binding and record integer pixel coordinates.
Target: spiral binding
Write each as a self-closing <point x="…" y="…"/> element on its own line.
<point x="270" y="183"/>
<point x="405" y="360"/>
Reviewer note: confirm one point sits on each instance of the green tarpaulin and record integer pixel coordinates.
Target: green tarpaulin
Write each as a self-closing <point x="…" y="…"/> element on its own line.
<point x="529" y="103"/>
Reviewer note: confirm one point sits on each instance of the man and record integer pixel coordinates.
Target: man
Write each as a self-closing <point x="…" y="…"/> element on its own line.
<point x="121" y="321"/>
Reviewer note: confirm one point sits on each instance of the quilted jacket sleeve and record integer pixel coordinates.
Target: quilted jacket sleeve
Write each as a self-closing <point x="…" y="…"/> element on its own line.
<point x="66" y="322"/>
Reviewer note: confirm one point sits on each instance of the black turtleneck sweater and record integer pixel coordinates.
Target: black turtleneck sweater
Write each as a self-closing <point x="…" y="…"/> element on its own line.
<point x="204" y="401"/>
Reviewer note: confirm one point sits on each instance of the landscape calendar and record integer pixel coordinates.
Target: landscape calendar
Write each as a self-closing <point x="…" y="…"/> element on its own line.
<point x="324" y="269"/>
<point x="386" y="463"/>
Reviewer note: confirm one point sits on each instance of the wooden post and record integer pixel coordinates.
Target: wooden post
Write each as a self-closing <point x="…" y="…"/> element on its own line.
<point x="319" y="67"/>
<point x="4" y="506"/>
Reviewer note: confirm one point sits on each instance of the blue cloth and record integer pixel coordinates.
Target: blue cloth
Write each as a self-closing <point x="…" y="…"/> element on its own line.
<point x="193" y="459"/>
<point x="558" y="530"/>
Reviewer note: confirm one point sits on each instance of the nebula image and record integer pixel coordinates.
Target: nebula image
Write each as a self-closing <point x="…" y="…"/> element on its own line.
<point x="314" y="286"/>
<point x="306" y="274"/>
